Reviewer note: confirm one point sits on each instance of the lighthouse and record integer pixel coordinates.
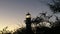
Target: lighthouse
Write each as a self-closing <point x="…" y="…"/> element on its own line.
<point x="28" y="24"/>
<point x="28" y="21"/>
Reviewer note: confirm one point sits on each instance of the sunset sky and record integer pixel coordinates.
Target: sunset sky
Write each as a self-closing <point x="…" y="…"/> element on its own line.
<point x="12" y="12"/>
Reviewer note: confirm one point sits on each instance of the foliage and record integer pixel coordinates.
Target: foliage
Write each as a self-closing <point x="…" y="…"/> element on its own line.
<point x="4" y="31"/>
<point x="55" y="6"/>
<point x="20" y="31"/>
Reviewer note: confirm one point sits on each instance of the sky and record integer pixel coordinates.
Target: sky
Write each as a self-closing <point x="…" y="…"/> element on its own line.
<point x="12" y="12"/>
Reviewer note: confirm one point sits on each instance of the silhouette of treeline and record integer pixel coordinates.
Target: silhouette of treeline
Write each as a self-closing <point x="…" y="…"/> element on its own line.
<point x="55" y="28"/>
<point x="4" y="31"/>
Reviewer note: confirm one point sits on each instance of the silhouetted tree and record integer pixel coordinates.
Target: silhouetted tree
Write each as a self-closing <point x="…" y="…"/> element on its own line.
<point x="20" y="31"/>
<point x="55" y="6"/>
<point x="4" y="31"/>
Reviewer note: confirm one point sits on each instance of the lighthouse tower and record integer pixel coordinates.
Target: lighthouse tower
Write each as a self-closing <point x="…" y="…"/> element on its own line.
<point x="28" y="21"/>
<point x="28" y="24"/>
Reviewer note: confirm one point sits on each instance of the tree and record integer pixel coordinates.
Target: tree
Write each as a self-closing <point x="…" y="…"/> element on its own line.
<point x="55" y="6"/>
